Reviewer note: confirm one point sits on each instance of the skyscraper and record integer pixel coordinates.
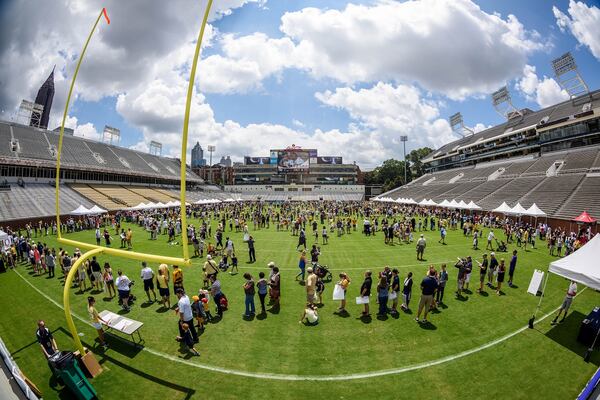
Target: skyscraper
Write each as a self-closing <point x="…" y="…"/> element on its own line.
<point x="198" y="156"/>
<point x="44" y="97"/>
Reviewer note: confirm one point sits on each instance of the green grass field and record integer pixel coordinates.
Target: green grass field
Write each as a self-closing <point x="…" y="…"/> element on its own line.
<point x="239" y="356"/>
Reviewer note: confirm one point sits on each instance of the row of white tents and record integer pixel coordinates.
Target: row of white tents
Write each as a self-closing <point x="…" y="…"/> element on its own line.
<point x="445" y="203"/>
<point x="95" y="210"/>
<point x="504" y="208"/>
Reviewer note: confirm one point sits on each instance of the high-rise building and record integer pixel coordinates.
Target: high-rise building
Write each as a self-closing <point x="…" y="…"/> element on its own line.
<point x="225" y="161"/>
<point x="198" y="156"/>
<point x="44" y="97"/>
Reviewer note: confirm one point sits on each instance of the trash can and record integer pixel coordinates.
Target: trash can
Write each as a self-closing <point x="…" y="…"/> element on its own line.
<point x="65" y="367"/>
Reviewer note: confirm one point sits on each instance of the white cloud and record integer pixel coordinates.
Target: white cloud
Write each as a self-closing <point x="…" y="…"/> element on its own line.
<point x="583" y="22"/>
<point x="480" y="127"/>
<point x="87" y="130"/>
<point x="545" y="92"/>
<point x="449" y="46"/>
<point x="297" y="123"/>
<point x="385" y="112"/>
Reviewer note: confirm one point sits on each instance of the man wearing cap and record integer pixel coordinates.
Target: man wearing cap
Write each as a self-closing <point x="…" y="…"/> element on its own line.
<point x="421" y="244"/>
<point x="147" y="276"/>
<point x="186" y="316"/>
<point x="311" y="285"/>
<point x="210" y="268"/>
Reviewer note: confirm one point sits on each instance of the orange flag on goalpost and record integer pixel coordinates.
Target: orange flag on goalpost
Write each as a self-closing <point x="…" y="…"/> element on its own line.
<point x="106" y="15"/>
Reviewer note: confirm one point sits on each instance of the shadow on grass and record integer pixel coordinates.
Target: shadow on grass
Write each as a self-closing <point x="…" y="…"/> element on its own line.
<point x="342" y="313"/>
<point x="188" y="392"/>
<point x="262" y="316"/>
<point x="460" y="297"/>
<point x="565" y="334"/>
<point x="365" y="319"/>
<point x="483" y="293"/>
<point x="274" y="309"/>
<point x="428" y="326"/>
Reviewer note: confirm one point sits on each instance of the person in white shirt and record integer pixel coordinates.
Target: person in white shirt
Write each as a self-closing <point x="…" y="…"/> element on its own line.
<point x="147" y="276"/>
<point x="310" y="315"/>
<point x="123" y="287"/>
<point x="566" y="304"/>
<point x="489" y="243"/>
<point x="186" y="316"/>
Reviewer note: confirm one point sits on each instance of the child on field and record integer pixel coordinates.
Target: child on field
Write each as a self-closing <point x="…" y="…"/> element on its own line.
<point x="188" y="339"/>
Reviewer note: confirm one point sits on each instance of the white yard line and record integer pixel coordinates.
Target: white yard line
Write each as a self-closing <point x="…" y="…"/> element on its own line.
<point x="326" y="378"/>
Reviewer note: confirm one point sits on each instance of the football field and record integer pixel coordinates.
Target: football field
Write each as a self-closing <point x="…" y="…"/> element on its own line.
<point x="476" y="346"/>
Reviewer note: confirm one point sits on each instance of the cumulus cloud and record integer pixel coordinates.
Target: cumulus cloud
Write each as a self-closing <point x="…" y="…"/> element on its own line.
<point x="583" y="22"/>
<point x="545" y="92"/>
<point x="449" y="46"/>
<point x="387" y="111"/>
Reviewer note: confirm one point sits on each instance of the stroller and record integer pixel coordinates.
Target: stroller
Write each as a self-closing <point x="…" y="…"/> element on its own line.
<point x="501" y="246"/>
<point x="322" y="272"/>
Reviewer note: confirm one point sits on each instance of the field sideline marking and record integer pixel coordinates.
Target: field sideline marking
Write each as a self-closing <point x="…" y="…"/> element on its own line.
<point x="326" y="378"/>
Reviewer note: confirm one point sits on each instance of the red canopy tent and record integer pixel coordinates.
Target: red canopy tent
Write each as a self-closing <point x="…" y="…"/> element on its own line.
<point x="585" y="218"/>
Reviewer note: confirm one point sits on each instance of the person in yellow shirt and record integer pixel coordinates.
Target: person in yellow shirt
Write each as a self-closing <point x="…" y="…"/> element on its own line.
<point x="97" y="321"/>
<point x="128" y="237"/>
<point x="162" y="281"/>
<point x="177" y="278"/>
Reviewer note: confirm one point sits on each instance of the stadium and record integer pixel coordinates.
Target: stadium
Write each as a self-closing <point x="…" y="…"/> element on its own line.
<point x="127" y="273"/>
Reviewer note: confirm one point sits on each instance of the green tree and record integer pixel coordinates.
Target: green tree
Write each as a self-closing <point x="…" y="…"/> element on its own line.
<point x="390" y="174"/>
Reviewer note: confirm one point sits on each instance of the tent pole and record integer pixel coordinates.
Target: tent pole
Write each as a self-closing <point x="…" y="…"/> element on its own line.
<point x="532" y="319"/>
<point x="589" y="351"/>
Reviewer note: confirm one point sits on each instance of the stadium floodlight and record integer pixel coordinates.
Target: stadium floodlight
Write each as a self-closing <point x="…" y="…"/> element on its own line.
<point x="458" y="126"/>
<point x="111" y="135"/>
<point x="211" y="148"/>
<point x="404" y="139"/>
<point x="568" y="77"/>
<point x="30" y="113"/>
<point x="503" y="104"/>
<point x="155" y="148"/>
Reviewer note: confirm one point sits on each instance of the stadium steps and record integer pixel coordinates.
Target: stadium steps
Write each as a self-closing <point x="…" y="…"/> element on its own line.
<point x="552" y="192"/>
<point x="96" y="196"/>
<point x="584" y="198"/>
<point x="596" y="163"/>
<point x="483" y="190"/>
<point x="150" y="194"/>
<point x="510" y="193"/>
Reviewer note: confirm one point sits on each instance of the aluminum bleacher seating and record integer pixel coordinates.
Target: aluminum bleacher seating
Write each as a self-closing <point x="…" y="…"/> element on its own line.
<point x="552" y="192"/>
<point x="585" y="198"/>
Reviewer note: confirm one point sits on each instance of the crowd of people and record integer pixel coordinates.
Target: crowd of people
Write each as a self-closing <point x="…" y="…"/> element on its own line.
<point x="399" y="225"/>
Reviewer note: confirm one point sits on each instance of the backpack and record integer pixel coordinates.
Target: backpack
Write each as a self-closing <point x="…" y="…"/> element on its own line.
<point x="224" y="303"/>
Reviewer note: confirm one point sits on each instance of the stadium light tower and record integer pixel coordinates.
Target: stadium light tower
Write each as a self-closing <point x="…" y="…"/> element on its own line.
<point x="155" y="148"/>
<point x="30" y="113"/>
<point x="210" y="149"/>
<point x="404" y="139"/>
<point x="111" y="134"/>
<point x="568" y="77"/>
<point x="458" y="126"/>
<point x="503" y="104"/>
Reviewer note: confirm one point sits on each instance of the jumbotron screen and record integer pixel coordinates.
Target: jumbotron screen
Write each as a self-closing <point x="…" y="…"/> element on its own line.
<point x="293" y="160"/>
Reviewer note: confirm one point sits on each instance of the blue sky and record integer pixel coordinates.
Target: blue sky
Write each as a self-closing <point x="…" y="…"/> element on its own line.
<point x="293" y="84"/>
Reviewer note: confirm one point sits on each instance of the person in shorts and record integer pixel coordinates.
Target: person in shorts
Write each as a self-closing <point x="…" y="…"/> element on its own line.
<point x="123" y="288"/>
<point x="97" y="321"/>
<point x="311" y="286"/>
<point x="566" y="304"/>
<point x="147" y="276"/>
<point x="45" y="339"/>
<point x="428" y="287"/>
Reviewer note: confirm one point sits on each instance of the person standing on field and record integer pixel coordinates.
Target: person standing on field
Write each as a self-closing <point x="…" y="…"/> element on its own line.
<point x="428" y="286"/>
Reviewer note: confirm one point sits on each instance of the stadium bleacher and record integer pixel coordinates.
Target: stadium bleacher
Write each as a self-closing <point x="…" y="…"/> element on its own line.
<point x="563" y="192"/>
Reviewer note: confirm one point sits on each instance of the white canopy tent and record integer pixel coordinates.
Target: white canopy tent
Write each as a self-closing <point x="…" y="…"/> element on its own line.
<point x="430" y="202"/>
<point x="535" y="211"/>
<point x="518" y="209"/>
<point x="463" y="205"/>
<point x="81" y="210"/>
<point x="445" y="203"/>
<point x="4" y="239"/>
<point x="473" y="206"/>
<point x="581" y="266"/>
<point x="453" y="204"/>
<point x="502" y="208"/>
<point x="97" y="210"/>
